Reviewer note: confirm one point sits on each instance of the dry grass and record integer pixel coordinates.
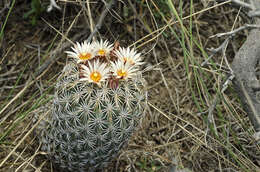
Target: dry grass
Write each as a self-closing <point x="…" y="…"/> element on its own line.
<point x="175" y="133"/>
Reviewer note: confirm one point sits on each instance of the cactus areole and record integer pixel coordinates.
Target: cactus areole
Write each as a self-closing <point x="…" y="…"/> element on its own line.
<point x="98" y="103"/>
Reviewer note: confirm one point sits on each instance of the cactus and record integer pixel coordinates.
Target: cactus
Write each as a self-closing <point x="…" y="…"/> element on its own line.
<point x="98" y="103"/>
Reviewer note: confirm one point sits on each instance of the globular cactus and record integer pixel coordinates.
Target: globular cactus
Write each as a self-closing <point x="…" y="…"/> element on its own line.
<point x="98" y="103"/>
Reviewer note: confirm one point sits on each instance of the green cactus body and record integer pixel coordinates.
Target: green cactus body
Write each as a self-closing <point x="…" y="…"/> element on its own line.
<point x="90" y="123"/>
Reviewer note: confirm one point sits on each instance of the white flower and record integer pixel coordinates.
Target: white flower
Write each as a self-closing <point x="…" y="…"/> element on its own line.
<point x="95" y="72"/>
<point x="123" y="70"/>
<point x="103" y="48"/>
<point x="129" y="56"/>
<point x="82" y="52"/>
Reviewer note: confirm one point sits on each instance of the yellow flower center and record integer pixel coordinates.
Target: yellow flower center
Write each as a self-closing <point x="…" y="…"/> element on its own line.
<point x="121" y="73"/>
<point x="95" y="76"/>
<point x="101" y="52"/>
<point x="85" y="56"/>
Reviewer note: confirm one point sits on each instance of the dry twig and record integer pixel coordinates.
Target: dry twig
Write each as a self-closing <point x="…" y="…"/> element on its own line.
<point x="244" y="64"/>
<point x="101" y="19"/>
<point x="65" y="45"/>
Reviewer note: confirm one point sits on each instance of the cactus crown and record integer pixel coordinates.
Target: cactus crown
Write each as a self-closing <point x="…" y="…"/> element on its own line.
<point x="100" y="62"/>
<point x="98" y="103"/>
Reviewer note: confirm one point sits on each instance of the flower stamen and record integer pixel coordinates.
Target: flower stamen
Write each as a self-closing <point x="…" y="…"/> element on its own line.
<point x="122" y="73"/>
<point x="101" y="52"/>
<point x="82" y="52"/>
<point x="95" y="76"/>
<point x="103" y="48"/>
<point x="85" y="56"/>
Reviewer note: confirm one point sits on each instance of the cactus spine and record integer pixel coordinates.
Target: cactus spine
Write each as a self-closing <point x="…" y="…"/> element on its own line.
<point x="98" y="103"/>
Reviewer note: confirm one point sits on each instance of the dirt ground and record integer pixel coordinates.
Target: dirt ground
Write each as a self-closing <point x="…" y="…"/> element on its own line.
<point x="174" y="134"/>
